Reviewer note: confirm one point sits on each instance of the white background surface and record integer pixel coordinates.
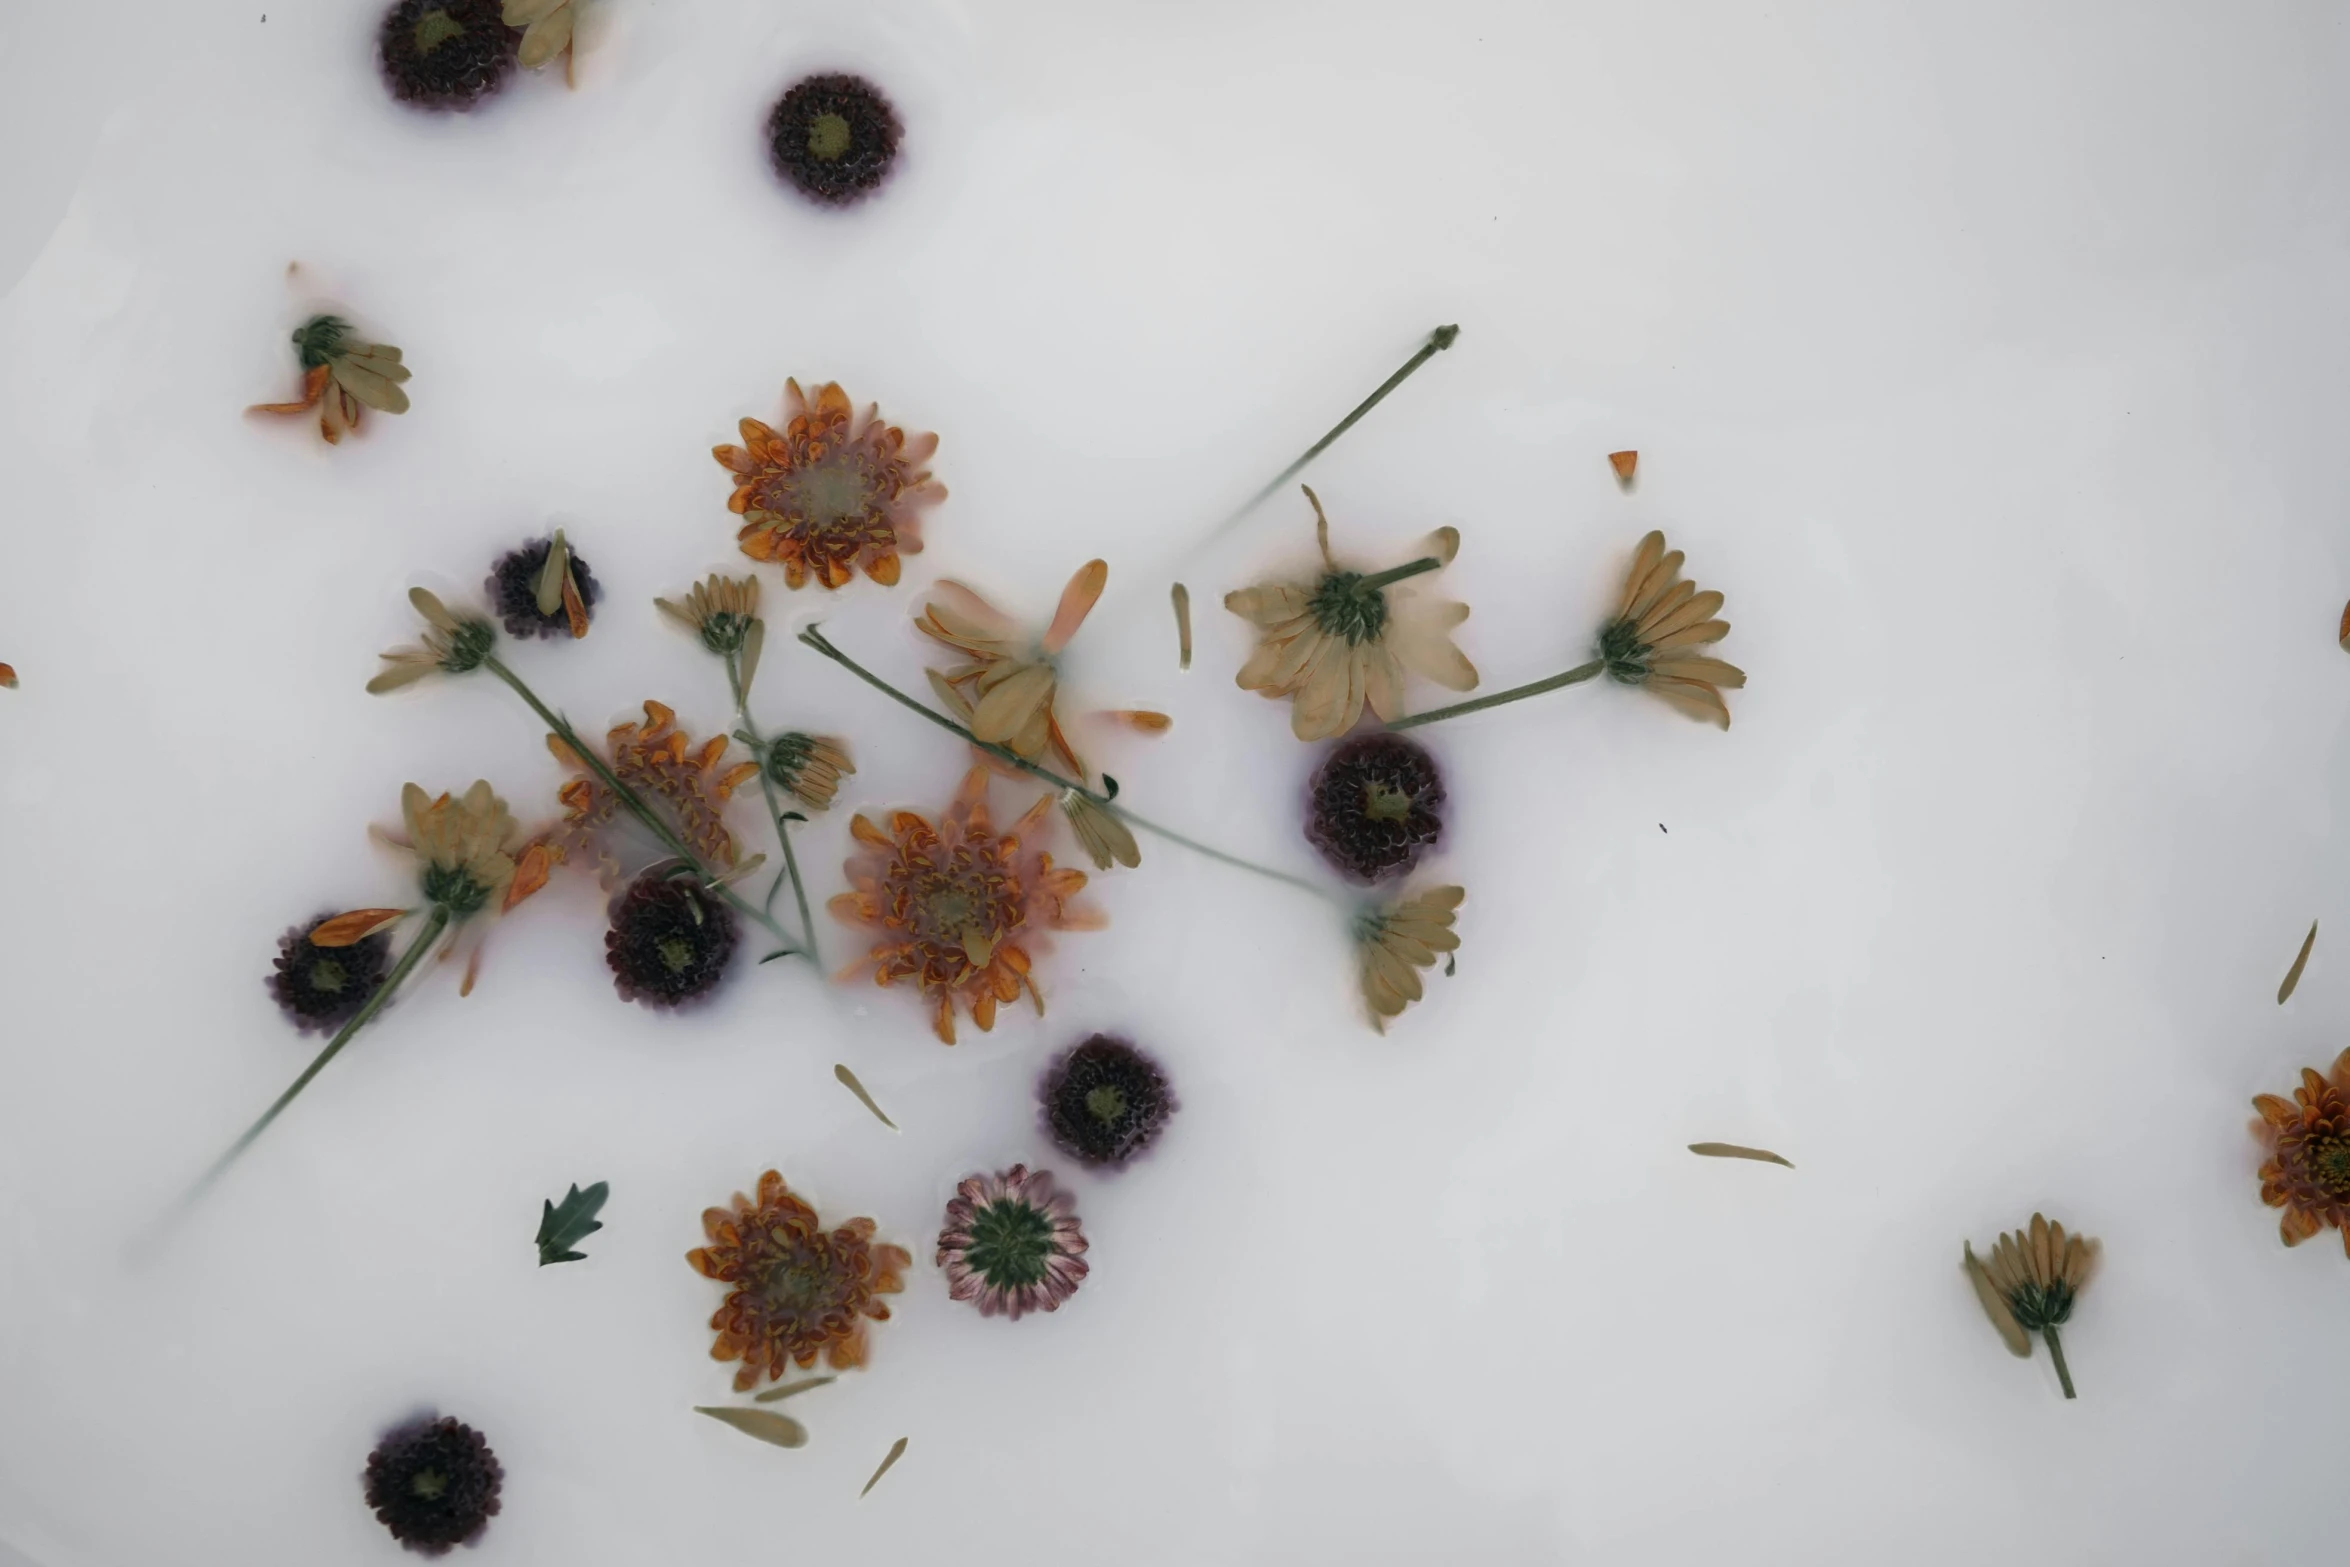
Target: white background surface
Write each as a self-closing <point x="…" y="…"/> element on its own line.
<point x="1988" y="357"/>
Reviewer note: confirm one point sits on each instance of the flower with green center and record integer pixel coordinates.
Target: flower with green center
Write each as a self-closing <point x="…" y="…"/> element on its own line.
<point x="322" y="988"/>
<point x="340" y="376"/>
<point x="1012" y="1243"/>
<point x="1105" y="1102"/>
<point x="434" y="1483"/>
<point x="453" y="644"/>
<point x="834" y="137"/>
<point x="445" y="54"/>
<point x="832" y="492"/>
<point x="2029" y="1283"/>
<point x="2307" y="1172"/>
<point x="807" y="767"/>
<point x="1394" y="942"/>
<point x="467" y="844"/>
<point x="670" y="940"/>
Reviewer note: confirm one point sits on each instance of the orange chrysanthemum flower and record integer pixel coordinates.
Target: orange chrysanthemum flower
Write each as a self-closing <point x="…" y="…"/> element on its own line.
<point x="959" y="905"/>
<point x="2308" y="1168"/>
<point x="831" y="492"/>
<point x="799" y="1290"/>
<point x="657" y="759"/>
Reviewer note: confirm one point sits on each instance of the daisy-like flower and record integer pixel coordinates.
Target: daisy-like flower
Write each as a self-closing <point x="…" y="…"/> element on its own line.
<point x="2029" y="1283"/>
<point x="453" y="644"/>
<point x="809" y="768"/>
<point x="1105" y="1102"/>
<point x="831" y="492"/>
<point x="958" y="907"/>
<point x="1105" y="839"/>
<point x="1012" y="1243"/>
<point x="322" y="988"/>
<point x="1005" y="690"/>
<point x="543" y="589"/>
<point x="341" y="375"/>
<point x="669" y="941"/>
<point x="467" y="843"/>
<point x="2307" y="1172"/>
<point x="445" y="54"/>
<point x="722" y="611"/>
<point x="434" y="1483"/>
<point x="799" y="1290"/>
<point x="1342" y="642"/>
<point x="834" y="137"/>
<point x="1397" y="941"/>
<point x="658" y="760"/>
<point x="1654" y="638"/>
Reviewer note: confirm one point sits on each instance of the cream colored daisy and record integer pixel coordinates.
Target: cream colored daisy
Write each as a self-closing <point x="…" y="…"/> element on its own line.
<point x="1655" y="637"/>
<point x="1397" y="941"/>
<point x="1006" y="689"/>
<point x="467" y="843"/>
<point x="453" y="644"/>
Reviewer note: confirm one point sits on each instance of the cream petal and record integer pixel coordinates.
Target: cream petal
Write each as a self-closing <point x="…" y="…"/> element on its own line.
<point x="1268" y="603"/>
<point x="1014" y="703"/>
<point x="362" y="381"/>
<point x="1644" y="559"/>
<point x="1382" y="682"/>
<point x="1667" y="618"/>
<point x="1688" y="666"/>
<point x="1704" y="631"/>
<point x="1423" y="640"/>
<point x="547" y="38"/>
<point x="1660" y="580"/>
<point x="1077" y="601"/>
<point x="1692" y="697"/>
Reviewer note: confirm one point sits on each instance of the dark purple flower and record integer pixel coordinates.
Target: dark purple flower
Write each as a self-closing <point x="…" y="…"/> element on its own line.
<point x="1371" y="808"/>
<point x="320" y="988"/>
<point x="445" y="54"/>
<point x="1104" y="1101"/>
<point x="434" y="1484"/>
<point x="514" y="593"/>
<point x="834" y="137"/>
<point x="669" y="941"/>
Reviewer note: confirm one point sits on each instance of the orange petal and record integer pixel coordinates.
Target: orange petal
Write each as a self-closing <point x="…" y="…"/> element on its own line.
<point x="472" y="973"/>
<point x="736" y="776"/>
<point x="530" y="874"/>
<point x="573" y="608"/>
<point x="657" y="717"/>
<point x="8" y="676"/>
<point x="1141" y="719"/>
<point x="1625" y="464"/>
<point x="2276" y="1112"/>
<point x="883" y="568"/>
<point x="2298" y="1225"/>
<point x="1077" y="601"/>
<point x="943" y="1022"/>
<point x="708" y="757"/>
<point x="862" y="829"/>
<point x="831" y="402"/>
<point x="983" y="1010"/>
<point x="348" y="929"/>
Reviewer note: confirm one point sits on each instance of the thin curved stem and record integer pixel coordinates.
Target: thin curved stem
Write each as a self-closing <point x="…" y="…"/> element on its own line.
<point x="1572" y="677"/>
<point x="791" y="863"/>
<point x="2056" y="1348"/>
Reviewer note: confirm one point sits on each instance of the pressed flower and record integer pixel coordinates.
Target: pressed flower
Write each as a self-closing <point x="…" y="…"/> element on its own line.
<point x="1012" y="1243"/>
<point x="660" y="761"/>
<point x="548" y="28"/>
<point x="445" y="54"/>
<point x="340" y="376"/>
<point x="2307" y="1172"/>
<point x="799" y="1290"/>
<point x="467" y="843"/>
<point x="670" y="940"/>
<point x="807" y="767"/>
<point x="719" y="610"/>
<point x="1653" y="638"/>
<point x="1105" y="1101"/>
<point x="2029" y="1283"/>
<point x="543" y="589"/>
<point x="453" y="644"/>
<point x="1105" y="839"/>
<point x="1397" y="941"/>
<point x="434" y="1483"/>
<point x="8" y="676"/>
<point x="830" y="493"/>
<point x="1372" y="804"/>
<point x="1342" y="642"/>
<point x="1005" y="690"/>
<point x="322" y="988"/>
<point x="959" y="906"/>
<point x="834" y="137"/>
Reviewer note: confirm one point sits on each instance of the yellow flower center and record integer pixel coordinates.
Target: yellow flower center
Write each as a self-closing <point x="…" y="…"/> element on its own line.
<point x="2329" y="1165"/>
<point x="435" y="28"/>
<point x="829" y="137"/>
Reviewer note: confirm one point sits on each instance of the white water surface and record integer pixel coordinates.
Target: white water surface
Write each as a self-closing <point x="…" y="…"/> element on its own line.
<point x="1989" y="358"/>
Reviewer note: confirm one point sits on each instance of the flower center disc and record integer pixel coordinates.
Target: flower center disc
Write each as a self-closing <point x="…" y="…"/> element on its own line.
<point x="327" y="977"/>
<point x="831" y="491"/>
<point x="2329" y="1163"/>
<point x="435" y="28"/>
<point x="430" y="1484"/>
<point x="1009" y="1244"/>
<point x="1105" y="1103"/>
<point x="1343" y="607"/>
<point x="829" y="138"/>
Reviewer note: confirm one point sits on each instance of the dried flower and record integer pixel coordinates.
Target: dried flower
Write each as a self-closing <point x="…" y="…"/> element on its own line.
<point x="1399" y="940"/>
<point x="1343" y="641"/>
<point x="1105" y="1101"/>
<point x="467" y="845"/>
<point x="8" y="676"/>
<point x="1012" y="1243"/>
<point x="453" y="644"/>
<point x="445" y="54"/>
<point x="958" y="906"/>
<point x="1626" y="464"/>
<point x="547" y="25"/>
<point x="340" y="375"/>
<point x="1105" y="839"/>
<point x="543" y="589"/>
<point x="1652" y="639"/>
<point x="1005" y="692"/>
<point x="1371" y="808"/>
<point x="834" y="137"/>
<point x="669" y="941"/>
<point x="2307" y="1172"/>
<point x="799" y="1291"/>
<point x="434" y="1483"/>
<point x="830" y="494"/>
<point x="808" y="767"/>
<point x="719" y="610"/>
<point x="659" y="760"/>
<point x="320" y="988"/>
<point x="2029" y="1283"/>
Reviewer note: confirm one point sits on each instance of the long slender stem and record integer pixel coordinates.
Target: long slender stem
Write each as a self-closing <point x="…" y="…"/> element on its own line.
<point x="791" y="863"/>
<point x="1410" y="568"/>
<point x="2056" y="1349"/>
<point x="1572" y="677"/>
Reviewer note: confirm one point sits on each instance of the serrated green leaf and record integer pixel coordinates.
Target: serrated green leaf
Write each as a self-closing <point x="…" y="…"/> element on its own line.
<point x="765" y="1424"/>
<point x="562" y="1228"/>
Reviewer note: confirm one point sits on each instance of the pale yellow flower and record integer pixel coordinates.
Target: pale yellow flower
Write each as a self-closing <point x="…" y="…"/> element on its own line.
<point x="467" y="843"/>
<point x="453" y="644"/>
<point x="1006" y="690"/>
<point x="1397" y="941"/>
<point x="1655" y="638"/>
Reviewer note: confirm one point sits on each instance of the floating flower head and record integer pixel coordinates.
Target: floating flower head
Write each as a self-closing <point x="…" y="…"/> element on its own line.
<point x="809" y="768"/>
<point x="1342" y="642"/>
<point x="341" y="375"/>
<point x="2029" y="1283"/>
<point x="2307" y="1172"/>
<point x="722" y="611"/>
<point x="1105" y="839"/>
<point x="467" y="843"/>
<point x="434" y="1483"/>
<point x="1660" y="623"/>
<point x="670" y="940"/>
<point x="1004" y="691"/>
<point x="454" y="644"/>
<point x="834" y="137"/>
<point x="830" y="493"/>
<point x="799" y="1289"/>
<point x="658" y="760"/>
<point x="1012" y="1243"/>
<point x="1397" y="941"/>
<point x="320" y="988"/>
<point x="957" y="907"/>
<point x="1105" y="1101"/>
<point x="445" y="54"/>
<point x="1371" y="808"/>
<point x="543" y="589"/>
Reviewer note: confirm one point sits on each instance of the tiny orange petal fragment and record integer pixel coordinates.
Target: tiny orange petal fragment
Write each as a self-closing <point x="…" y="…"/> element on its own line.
<point x="346" y="930"/>
<point x="530" y="874"/>
<point x="1625" y="463"/>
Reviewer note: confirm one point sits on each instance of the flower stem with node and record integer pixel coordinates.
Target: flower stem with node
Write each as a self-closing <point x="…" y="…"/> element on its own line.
<point x="775" y="810"/>
<point x="1010" y="758"/>
<point x="2056" y="1350"/>
<point x="1575" y="676"/>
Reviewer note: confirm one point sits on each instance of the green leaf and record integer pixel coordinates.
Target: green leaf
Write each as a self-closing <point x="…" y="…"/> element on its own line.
<point x="561" y="1228"/>
<point x="765" y="1424"/>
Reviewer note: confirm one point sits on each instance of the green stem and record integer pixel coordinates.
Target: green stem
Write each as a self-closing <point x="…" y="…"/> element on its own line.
<point x="2056" y="1349"/>
<point x="791" y="864"/>
<point x="1572" y="677"/>
<point x="1410" y="568"/>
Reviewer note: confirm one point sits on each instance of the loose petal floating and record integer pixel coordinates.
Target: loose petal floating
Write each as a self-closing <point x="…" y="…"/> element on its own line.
<point x="2345" y="631"/>
<point x="8" y="676"/>
<point x="346" y="930"/>
<point x="2300" y="961"/>
<point x="765" y="1424"/>
<point x="1626" y="465"/>
<point x="1182" y="597"/>
<point x="1736" y="1151"/>
<point x="897" y="1450"/>
<point x="801" y="1386"/>
<point x="848" y="1080"/>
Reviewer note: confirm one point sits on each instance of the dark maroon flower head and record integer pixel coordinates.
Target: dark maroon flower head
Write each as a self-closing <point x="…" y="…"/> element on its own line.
<point x="434" y="1484"/>
<point x="1104" y="1101"/>
<point x="445" y="54"/>
<point x="1371" y="808"/>
<point x="320" y="988"/>
<point x="834" y="137"/>
<point x="669" y="940"/>
<point x="514" y="591"/>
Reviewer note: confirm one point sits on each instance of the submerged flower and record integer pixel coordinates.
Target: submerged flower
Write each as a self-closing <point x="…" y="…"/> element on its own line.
<point x="467" y="844"/>
<point x="807" y="767"/>
<point x="799" y="1290"/>
<point x="320" y="988"/>
<point x="2028" y="1284"/>
<point x="669" y="941"/>
<point x="830" y="493"/>
<point x="1012" y="1243"/>
<point x="1371" y="808"/>
<point x="453" y="644"/>
<point x="1105" y="839"/>
<point x="543" y="589"/>
<point x="1105" y="1101"/>
<point x="958" y="906"/>
<point x="834" y="137"/>
<point x="340" y="375"/>
<point x="1653" y="638"/>
<point x="434" y="1484"/>
<point x="1342" y="642"/>
<point x="657" y="759"/>
<point x="719" y="610"/>
<point x="547" y="29"/>
<point x="1396" y="942"/>
<point x="445" y="54"/>
<point x="2307" y="1172"/>
<point x="1005" y="690"/>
